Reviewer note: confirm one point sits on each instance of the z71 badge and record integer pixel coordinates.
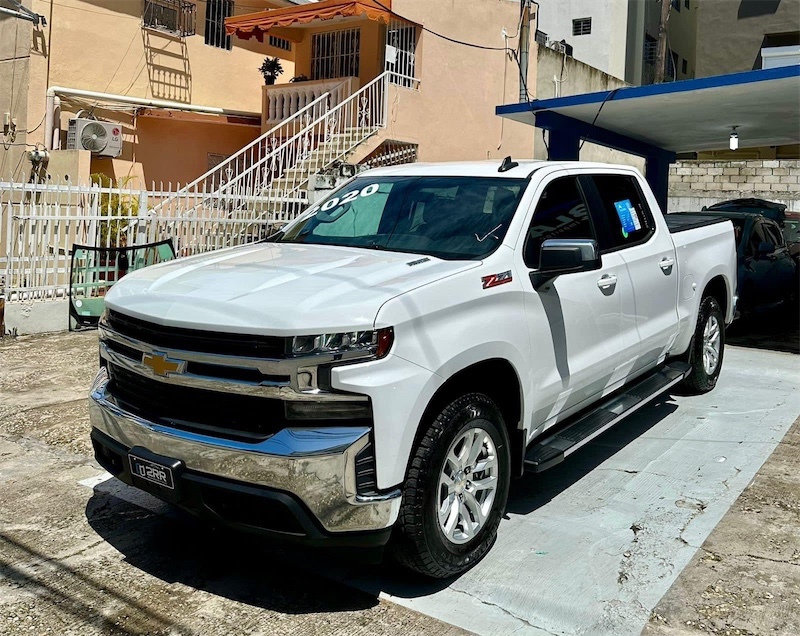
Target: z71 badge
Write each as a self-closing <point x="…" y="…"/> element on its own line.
<point x="493" y="280"/>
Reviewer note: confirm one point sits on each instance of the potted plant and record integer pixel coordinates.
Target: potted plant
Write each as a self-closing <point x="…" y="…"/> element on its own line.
<point x="270" y="68"/>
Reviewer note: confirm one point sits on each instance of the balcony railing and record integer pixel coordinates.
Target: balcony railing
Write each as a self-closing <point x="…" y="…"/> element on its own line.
<point x="175" y="17"/>
<point x="284" y="100"/>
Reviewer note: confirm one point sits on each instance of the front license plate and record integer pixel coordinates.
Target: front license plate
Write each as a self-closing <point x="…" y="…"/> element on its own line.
<point x="152" y="472"/>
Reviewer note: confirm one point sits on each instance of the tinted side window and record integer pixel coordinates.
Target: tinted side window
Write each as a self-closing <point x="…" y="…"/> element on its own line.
<point x="628" y="217"/>
<point x="560" y="213"/>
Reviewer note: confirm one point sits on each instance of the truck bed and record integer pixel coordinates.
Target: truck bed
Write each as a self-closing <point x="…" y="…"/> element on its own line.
<point x="682" y="221"/>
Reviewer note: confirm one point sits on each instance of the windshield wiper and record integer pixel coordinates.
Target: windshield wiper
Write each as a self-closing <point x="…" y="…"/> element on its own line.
<point x="488" y="234"/>
<point x="374" y="245"/>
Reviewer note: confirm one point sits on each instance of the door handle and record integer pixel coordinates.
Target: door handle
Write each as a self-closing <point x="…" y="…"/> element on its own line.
<point x="666" y="264"/>
<point x="606" y="281"/>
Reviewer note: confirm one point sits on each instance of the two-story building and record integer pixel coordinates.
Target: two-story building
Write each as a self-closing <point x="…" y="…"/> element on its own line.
<point x="181" y="94"/>
<point x="174" y="85"/>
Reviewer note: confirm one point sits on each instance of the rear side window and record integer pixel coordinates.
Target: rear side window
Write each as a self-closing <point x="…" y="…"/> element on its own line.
<point x="623" y="206"/>
<point x="561" y="213"/>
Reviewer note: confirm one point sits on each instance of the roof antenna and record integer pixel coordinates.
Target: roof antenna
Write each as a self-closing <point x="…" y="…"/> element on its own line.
<point x="507" y="164"/>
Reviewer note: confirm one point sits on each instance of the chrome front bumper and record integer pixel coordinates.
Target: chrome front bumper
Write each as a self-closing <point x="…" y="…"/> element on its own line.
<point x="315" y="465"/>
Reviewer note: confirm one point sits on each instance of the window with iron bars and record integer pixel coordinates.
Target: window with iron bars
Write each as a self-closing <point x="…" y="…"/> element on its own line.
<point x="650" y="49"/>
<point x="582" y="26"/>
<point x="280" y="43"/>
<point x="335" y="54"/>
<point x="216" y="12"/>
<point x="176" y="17"/>
<point x="401" y="46"/>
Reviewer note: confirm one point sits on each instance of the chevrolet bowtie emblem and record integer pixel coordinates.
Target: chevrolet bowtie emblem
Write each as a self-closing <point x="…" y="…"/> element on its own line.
<point x="161" y="364"/>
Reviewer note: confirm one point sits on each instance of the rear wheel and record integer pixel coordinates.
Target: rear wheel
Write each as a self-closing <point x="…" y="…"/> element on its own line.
<point x="456" y="490"/>
<point x="708" y="347"/>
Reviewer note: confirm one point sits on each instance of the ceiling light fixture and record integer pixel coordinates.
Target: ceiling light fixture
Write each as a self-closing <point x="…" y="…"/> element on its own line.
<point x="734" y="140"/>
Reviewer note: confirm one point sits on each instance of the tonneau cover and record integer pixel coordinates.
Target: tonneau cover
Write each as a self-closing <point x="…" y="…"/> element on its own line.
<point x="681" y="221"/>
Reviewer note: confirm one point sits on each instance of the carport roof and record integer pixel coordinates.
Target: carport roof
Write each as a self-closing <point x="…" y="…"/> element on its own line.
<point x="684" y="116"/>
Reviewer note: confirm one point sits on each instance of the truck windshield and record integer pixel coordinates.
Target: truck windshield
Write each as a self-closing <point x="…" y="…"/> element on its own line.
<point x="454" y="218"/>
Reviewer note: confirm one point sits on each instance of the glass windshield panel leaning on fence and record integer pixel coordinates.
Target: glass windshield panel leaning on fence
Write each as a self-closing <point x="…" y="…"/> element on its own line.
<point x="453" y="218"/>
<point x="94" y="270"/>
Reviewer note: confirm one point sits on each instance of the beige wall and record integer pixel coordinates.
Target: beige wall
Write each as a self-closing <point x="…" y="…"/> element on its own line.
<point x="15" y="50"/>
<point x="576" y="78"/>
<point x="452" y="115"/>
<point x="727" y="43"/>
<point x="100" y="45"/>
<point x="174" y="151"/>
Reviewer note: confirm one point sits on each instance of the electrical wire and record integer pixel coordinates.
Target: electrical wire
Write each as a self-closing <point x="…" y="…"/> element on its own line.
<point x="670" y="51"/>
<point x="119" y="66"/>
<point x="444" y="37"/>
<point x="39" y="125"/>
<point x="609" y="96"/>
<point x="506" y="38"/>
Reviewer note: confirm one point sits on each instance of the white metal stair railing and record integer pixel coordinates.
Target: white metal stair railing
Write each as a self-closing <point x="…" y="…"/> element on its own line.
<point x="264" y="182"/>
<point x="213" y="195"/>
<point x="325" y="140"/>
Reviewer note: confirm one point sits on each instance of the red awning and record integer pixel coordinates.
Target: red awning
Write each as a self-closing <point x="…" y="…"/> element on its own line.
<point x="256" y="24"/>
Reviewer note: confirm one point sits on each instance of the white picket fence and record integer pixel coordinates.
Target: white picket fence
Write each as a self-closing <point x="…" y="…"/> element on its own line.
<point x="237" y="202"/>
<point x="40" y="223"/>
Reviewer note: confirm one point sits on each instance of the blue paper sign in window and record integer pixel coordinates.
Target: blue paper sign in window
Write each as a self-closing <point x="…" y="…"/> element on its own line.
<point x="628" y="217"/>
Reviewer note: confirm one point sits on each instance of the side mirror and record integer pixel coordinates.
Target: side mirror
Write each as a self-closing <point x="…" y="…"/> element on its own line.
<point x="765" y="248"/>
<point x="565" y="256"/>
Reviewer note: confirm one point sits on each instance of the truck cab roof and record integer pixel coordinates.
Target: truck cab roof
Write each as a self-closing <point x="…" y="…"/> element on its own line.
<point x="486" y="168"/>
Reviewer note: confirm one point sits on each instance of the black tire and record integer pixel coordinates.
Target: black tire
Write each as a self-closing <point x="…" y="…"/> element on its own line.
<point x="419" y="542"/>
<point x="699" y="380"/>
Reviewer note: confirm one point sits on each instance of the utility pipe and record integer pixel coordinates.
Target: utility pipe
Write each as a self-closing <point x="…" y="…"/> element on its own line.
<point x="124" y="99"/>
<point x="20" y="15"/>
<point x="524" y="49"/>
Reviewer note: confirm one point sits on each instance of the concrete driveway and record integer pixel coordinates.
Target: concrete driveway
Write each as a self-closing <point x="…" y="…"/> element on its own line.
<point x="590" y="547"/>
<point x="593" y="544"/>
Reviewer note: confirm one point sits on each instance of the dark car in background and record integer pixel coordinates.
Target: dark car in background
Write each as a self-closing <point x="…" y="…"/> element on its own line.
<point x="788" y="221"/>
<point x="767" y="274"/>
<point x="769" y="209"/>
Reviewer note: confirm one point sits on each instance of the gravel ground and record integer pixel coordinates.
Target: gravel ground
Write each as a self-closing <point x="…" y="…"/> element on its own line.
<point x="80" y="555"/>
<point x="745" y="580"/>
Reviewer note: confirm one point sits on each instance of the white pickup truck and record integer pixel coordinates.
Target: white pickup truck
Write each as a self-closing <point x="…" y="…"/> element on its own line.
<point x="378" y="371"/>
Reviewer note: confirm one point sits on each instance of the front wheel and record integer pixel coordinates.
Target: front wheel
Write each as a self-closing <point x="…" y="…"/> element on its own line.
<point x="456" y="490"/>
<point x="708" y="347"/>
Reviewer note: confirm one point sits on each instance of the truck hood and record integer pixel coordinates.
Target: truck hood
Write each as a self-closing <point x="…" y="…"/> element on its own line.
<point x="276" y="289"/>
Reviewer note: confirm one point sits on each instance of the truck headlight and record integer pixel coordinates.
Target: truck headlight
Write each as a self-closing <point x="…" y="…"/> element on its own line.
<point x="375" y="342"/>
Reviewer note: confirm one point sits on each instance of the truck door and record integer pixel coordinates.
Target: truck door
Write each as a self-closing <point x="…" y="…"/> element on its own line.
<point x="576" y="322"/>
<point x="631" y="231"/>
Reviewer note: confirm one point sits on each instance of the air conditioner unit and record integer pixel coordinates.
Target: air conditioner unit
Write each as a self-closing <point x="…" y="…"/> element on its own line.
<point x="101" y="138"/>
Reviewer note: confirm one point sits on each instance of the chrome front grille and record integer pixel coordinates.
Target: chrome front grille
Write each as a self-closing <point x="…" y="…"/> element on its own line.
<point x="214" y="390"/>
<point x="244" y="345"/>
<point x="228" y="415"/>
